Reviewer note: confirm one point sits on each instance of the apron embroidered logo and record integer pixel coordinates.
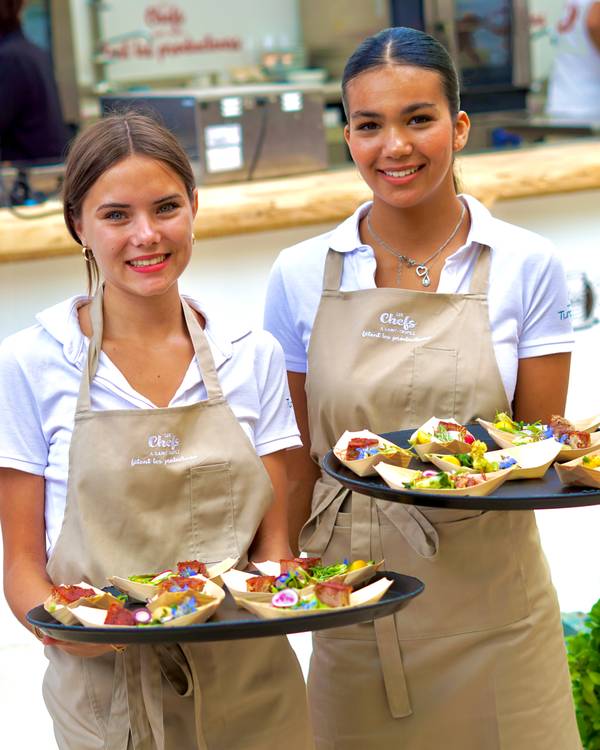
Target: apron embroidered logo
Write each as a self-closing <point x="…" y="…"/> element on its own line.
<point x="163" y="441"/>
<point x="395" y="327"/>
<point x="165" y="450"/>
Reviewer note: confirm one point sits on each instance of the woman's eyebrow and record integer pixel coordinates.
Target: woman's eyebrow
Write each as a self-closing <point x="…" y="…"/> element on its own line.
<point x="112" y="205"/>
<point x="418" y="105"/>
<point x="404" y="111"/>
<point x="167" y="198"/>
<point x="364" y="113"/>
<point x="127" y="205"/>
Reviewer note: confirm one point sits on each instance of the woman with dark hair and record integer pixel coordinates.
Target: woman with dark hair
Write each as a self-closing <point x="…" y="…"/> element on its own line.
<point x="31" y="122"/>
<point x="422" y="303"/>
<point x="86" y="396"/>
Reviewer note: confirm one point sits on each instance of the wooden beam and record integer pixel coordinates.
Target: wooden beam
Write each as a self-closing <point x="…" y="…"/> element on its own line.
<point x="326" y="197"/>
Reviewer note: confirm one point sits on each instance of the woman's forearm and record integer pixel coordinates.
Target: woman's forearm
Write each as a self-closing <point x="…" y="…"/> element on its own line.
<point x="542" y="384"/>
<point x="271" y="539"/>
<point x="302" y="477"/>
<point x="26" y="583"/>
<point x="302" y="471"/>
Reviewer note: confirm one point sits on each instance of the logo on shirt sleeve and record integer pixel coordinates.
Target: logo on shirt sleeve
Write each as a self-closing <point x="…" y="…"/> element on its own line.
<point x="566" y="313"/>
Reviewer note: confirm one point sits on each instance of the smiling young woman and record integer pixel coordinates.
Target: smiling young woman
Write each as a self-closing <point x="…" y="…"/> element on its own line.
<point x="85" y="494"/>
<point x="137" y="220"/>
<point x="473" y="304"/>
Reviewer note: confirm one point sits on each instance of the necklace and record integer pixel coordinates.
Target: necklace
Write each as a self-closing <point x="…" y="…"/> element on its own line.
<point x="422" y="269"/>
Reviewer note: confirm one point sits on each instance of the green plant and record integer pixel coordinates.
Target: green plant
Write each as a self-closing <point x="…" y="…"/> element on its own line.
<point x="584" y="665"/>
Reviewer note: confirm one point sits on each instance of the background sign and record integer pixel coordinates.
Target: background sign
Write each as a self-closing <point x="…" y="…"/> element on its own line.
<point x="152" y="40"/>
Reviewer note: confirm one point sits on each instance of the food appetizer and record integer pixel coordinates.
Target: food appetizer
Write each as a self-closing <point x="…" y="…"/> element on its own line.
<point x="445" y="436"/>
<point x="527" y="461"/>
<point x="361" y="451"/>
<point x="181" y="601"/>
<point x="311" y="570"/>
<point x="507" y="432"/>
<point x="583" y="471"/>
<point x="442" y="482"/>
<point x="142" y="587"/>
<point x="324" y="597"/>
<point x="64" y="598"/>
<point x="300" y="574"/>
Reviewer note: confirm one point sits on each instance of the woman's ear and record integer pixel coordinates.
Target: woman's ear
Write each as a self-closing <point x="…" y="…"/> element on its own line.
<point x="347" y="135"/>
<point x="462" y="126"/>
<point x="77" y="226"/>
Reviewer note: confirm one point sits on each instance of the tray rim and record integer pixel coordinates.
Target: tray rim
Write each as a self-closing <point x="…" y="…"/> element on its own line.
<point x="374" y="486"/>
<point x="219" y="630"/>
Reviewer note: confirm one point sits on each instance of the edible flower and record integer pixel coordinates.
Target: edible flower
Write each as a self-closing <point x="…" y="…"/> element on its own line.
<point x="478" y="449"/>
<point x="293" y="579"/>
<point x="285" y="598"/>
<point x="187" y="607"/>
<point x="365" y="453"/>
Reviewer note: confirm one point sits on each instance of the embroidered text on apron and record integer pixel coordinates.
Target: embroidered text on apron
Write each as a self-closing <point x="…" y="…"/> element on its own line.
<point x="477" y="662"/>
<point x="147" y="488"/>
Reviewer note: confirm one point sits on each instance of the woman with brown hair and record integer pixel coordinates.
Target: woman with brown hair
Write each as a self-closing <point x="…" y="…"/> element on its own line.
<point x="86" y="393"/>
<point x="419" y="304"/>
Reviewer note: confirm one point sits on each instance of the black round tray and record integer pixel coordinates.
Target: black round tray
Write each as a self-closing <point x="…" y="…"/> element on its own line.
<point x="402" y="590"/>
<point x="519" y="494"/>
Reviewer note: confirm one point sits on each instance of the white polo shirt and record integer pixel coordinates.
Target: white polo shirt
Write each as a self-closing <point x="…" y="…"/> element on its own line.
<point x="40" y="373"/>
<point x="528" y="301"/>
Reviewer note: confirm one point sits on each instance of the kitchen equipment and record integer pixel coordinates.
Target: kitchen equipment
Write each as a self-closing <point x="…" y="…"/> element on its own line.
<point x="239" y="133"/>
<point x="488" y="41"/>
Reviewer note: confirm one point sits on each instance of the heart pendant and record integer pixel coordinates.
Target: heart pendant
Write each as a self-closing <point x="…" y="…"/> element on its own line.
<point x="423" y="273"/>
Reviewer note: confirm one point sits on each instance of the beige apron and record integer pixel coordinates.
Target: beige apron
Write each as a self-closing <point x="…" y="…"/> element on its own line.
<point x="477" y="662"/>
<point x="147" y="488"/>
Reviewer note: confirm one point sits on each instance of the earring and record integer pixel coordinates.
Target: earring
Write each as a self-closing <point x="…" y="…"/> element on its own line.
<point x="87" y="253"/>
<point x="193" y="239"/>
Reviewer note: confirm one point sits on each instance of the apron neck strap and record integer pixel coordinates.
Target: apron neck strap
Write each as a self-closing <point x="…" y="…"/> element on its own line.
<point x="332" y="275"/>
<point x="481" y="272"/>
<point x="94" y="347"/>
<point x="202" y="352"/>
<point x="334" y="266"/>
<point x="204" y="356"/>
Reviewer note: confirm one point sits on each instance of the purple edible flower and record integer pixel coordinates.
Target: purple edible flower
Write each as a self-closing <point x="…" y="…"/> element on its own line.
<point x="188" y="572"/>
